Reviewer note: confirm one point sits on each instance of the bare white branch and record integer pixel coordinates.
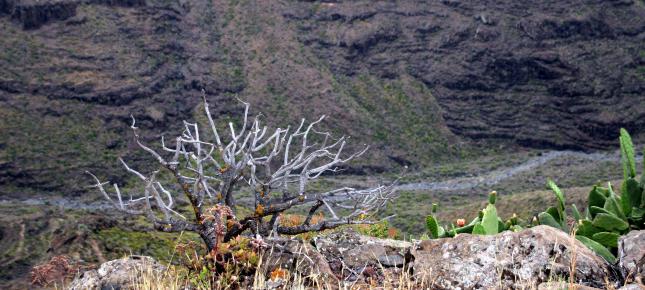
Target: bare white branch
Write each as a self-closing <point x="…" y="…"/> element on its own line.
<point x="278" y="166"/>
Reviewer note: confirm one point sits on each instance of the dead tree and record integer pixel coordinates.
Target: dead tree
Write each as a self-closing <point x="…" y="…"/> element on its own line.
<point x="275" y="166"/>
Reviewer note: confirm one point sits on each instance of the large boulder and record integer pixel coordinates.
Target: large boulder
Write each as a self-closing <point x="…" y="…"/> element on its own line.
<point x="116" y="274"/>
<point x="631" y="256"/>
<point x="508" y="260"/>
<point x="363" y="260"/>
<point x="357" y="251"/>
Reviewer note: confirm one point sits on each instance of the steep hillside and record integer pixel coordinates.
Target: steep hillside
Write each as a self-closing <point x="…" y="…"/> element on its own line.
<point x="421" y="81"/>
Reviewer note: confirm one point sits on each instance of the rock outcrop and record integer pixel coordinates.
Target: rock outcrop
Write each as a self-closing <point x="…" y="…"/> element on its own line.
<point x="33" y="14"/>
<point x="296" y="256"/>
<point x="117" y="274"/>
<point x="537" y="258"/>
<point x="631" y="256"/>
<point x="509" y="69"/>
<point x="508" y="260"/>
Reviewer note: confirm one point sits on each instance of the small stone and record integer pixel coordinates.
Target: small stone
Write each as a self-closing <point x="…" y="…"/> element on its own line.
<point x="392" y="260"/>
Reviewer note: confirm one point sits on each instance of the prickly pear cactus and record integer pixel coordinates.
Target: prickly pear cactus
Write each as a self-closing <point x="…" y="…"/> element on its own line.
<point x="486" y="223"/>
<point x="608" y="215"/>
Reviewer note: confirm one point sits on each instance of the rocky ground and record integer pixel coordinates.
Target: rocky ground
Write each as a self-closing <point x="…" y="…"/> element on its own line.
<point x="537" y="258"/>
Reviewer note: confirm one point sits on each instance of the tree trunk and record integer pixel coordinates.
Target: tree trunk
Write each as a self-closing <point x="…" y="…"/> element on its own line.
<point x="209" y="235"/>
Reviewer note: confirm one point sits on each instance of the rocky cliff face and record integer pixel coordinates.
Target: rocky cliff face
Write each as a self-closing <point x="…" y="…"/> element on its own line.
<point x="419" y="80"/>
<point x="551" y="74"/>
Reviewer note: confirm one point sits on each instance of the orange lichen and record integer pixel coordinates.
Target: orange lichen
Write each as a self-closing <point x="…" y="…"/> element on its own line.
<point x="392" y="233"/>
<point x="259" y="210"/>
<point x="230" y="224"/>
<point x="279" y="273"/>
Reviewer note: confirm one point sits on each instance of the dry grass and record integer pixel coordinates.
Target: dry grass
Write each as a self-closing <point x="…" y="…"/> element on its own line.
<point x="174" y="279"/>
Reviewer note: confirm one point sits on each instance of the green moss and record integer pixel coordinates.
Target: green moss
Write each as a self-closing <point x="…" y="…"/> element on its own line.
<point x="156" y="244"/>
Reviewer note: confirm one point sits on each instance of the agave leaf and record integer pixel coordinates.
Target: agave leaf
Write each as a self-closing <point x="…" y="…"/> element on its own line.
<point x="479" y="229"/>
<point x="515" y="228"/>
<point x="501" y="225"/>
<point x="604" y="191"/>
<point x="489" y="222"/>
<point x="549" y="220"/>
<point x="452" y="232"/>
<point x="638" y="216"/>
<point x="597" y="248"/>
<point x="596" y="210"/>
<point x="555" y="213"/>
<point x="558" y="193"/>
<point x="576" y="212"/>
<point x="607" y="239"/>
<point x="474" y="221"/>
<point x="596" y="197"/>
<point x="465" y="229"/>
<point x="627" y="154"/>
<point x="435" y="230"/>
<point x="586" y="228"/>
<point x="643" y="180"/>
<point x="609" y="222"/>
<point x="613" y="206"/>
<point x="632" y="195"/>
<point x="610" y="190"/>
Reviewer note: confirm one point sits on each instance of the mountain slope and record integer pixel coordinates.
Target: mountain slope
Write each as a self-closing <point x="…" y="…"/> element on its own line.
<point x="421" y="81"/>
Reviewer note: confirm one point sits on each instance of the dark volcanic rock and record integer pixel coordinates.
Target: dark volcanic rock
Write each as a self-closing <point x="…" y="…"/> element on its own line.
<point x="418" y="80"/>
<point x="544" y="74"/>
<point x="33" y="14"/>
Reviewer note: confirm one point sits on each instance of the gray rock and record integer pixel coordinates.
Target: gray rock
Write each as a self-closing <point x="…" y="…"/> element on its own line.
<point x="563" y="286"/>
<point x="116" y="274"/>
<point x="357" y="251"/>
<point x="632" y="287"/>
<point x="295" y="255"/>
<point x="508" y="260"/>
<point x="631" y="256"/>
<point x="392" y="260"/>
